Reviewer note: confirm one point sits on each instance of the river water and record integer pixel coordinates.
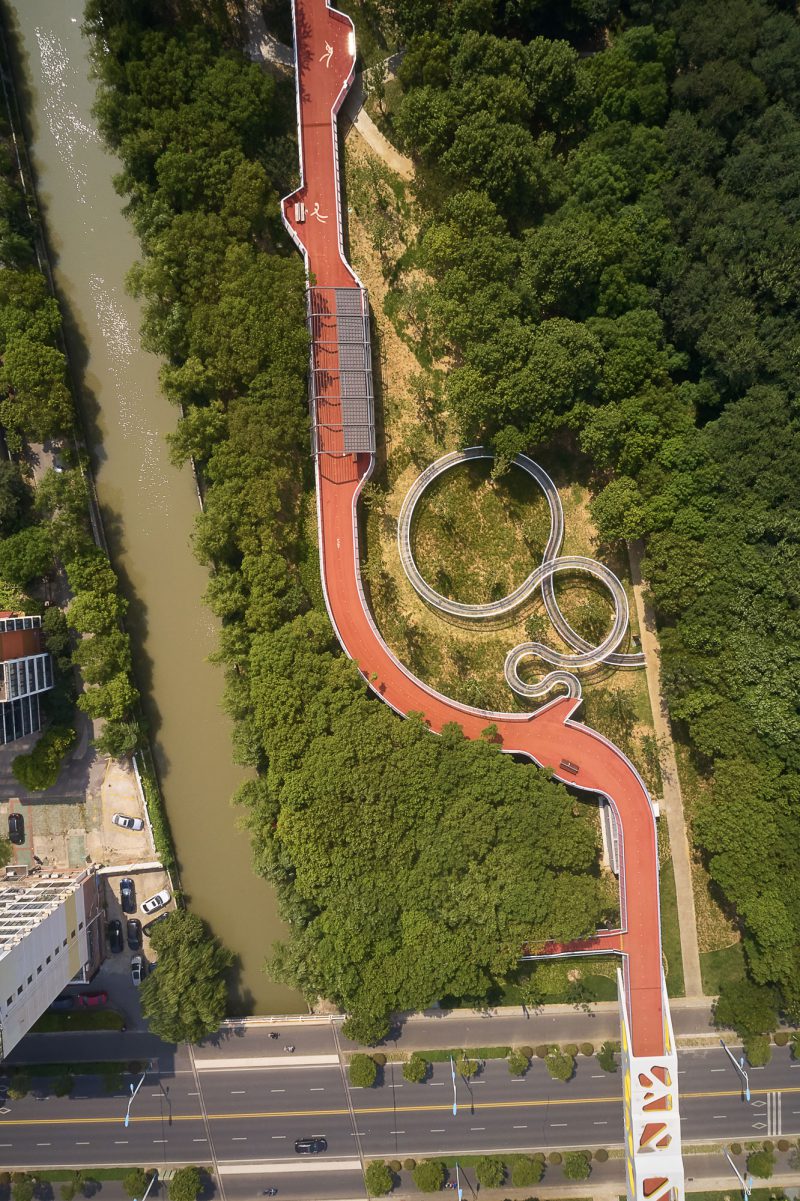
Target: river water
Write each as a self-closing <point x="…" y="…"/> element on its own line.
<point x="148" y="507"/>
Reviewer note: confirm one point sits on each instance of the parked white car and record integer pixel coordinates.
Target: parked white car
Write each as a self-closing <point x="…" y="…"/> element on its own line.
<point x="127" y="823"/>
<point x="156" y="902"/>
<point x="137" y="969"/>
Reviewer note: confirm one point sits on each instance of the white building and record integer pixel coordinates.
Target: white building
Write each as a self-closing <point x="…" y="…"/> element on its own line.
<point x="49" y="935"/>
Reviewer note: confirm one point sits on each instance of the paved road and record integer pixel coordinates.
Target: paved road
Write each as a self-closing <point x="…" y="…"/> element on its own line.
<point x="246" y="1118"/>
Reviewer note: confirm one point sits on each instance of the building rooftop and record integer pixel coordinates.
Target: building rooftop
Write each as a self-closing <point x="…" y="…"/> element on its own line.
<point x="25" y="900"/>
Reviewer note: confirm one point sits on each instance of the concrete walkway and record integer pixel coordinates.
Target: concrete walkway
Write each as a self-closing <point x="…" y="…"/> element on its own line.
<point x="353" y="111"/>
<point x="671" y="787"/>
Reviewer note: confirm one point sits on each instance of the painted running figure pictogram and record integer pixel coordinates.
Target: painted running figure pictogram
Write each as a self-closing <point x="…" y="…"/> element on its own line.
<point x="343" y="431"/>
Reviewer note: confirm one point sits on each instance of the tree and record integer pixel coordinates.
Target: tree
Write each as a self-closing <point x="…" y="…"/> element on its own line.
<point x="378" y="1178"/>
<point x="119" y="738"/>
<point x="26" y="555"/>
<point x="518" y="1063"/>
<point x="185" y="999"/>
<point x="40" y="768"/>
<point x="747" y="1008"/>
<point x="416" y="1068"/>
<point x="363" y="1071"/>
<point x="187" y="1183"/>
<point x="135" y="1182"/>
<point x="6" y="851"/>
<point x="490" y="1171"/>
<point x="19" y="1086"/>
<point x="39" y="404"/>
<point x="22" y="1186"/>
<point x="577" y="1165"/>
<point x="63" y="1084"/>
<point x="560" y="1065"/>
<point x="758" y="1050"/>
<point x="606" y="1056"/>
<point x="525" y="1171"/>
<point x="429" y="1175"/>
<point x="761" y="1164"/>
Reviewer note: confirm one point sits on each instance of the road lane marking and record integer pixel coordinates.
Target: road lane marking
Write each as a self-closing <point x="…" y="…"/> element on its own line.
<point x="600" y="1077"/>
<point x="199" y="1140"/>
<point x="77" y="1144"/>
<point x="279" y="1136"/>
<point x="438" y="1130"/>
<point x="277" y="1090"/>
<point x="195" y="1094"/>
<point x="720" y="1116"/>
<point x="158" y="1094"/>
<point x="526" y="1103"/>
<point x="436" y="1083"/>
<point x="318" y="1089"/>
<point x="477" y="1127"/>
<point x="159" y="1140"/>
<point x="390" y="1086"/>
<point x="397" y="1131"/>
<point x="513" y="1128"/>
<point x="554" y="1125"/>
<point x="718" y="1069"/>
<point x="44" y="1144"/>
<point x="120" y="1142"/>
<point x="238" y="1092"/>
<point x="239" y="1138"/>
<point x="599" y="1123"/>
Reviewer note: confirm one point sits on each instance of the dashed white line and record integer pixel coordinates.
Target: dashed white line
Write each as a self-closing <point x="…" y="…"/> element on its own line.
<point x="436" y="1083"/>
<point x="158" y="1094"/>
<point x="77" y="1144"/>
<point x="195" y="1094"/>
<point x="159" y="1140"/>
<point x="395" y="1086"/>
<point x="718" y="1069"/>
<point x="477" y="1127"/>
<point x="437" y="1131"/>
<point x="554" y="1124"/>
<point x="519" y="1127"/>
<point x="239" y="1138"/>
<point x="319" y="1089"/>
<point x="277" y="1090"/>
<point x="237" y="1092"/>
<point x="279" y="1136"/>
<point x="720" y="1116"/>
<point x="44" y="1144"/>
<point x="599" y="1123"/>
<point x="397" y="1131"/>
<point x="120" y="1142"/>
<point x="199" y="1140"/>
<point x="601" y="1076"/>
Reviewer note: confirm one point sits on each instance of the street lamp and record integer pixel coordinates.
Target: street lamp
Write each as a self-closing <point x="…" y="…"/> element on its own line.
<point x="153" y="1179"/>
<point x="455" y="1097"/>
<point x="458" y="1183"/>
<point x="746" y="1185"/>
<point x="739" y="1065"/>
<point x="134" y="1091"/>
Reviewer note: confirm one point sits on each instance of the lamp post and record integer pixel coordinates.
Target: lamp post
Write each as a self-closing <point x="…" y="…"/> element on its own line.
<point x="746" y="1185"/>
<point x="739" y="1065"/>
<point x="134" y="1091"/>
<point x="458" y="1183"/>
<point x="455" y="1096"/>
<point x="153" y="1179"/>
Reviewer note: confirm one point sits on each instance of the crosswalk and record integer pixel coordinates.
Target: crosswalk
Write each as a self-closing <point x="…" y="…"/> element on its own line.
<point x="769" y="1115"/>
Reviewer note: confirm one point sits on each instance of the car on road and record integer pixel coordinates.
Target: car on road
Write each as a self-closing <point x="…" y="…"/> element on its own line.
<point x="133" y="928"/>
<point x="127" y="823"/>
<point x="62" y="1003"/>
<point x="16" y="829"/>
<point x="92" y="1000"/>
<point x="137" y="970"/>
<point x="157" y="901"/>
<point x="311" y="1146"/>
<point x="127" y="895"/>
<point x="114" y="935"/>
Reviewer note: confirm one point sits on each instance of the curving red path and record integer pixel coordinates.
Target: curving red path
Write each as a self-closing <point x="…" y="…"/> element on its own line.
<point x="325" y="47"/>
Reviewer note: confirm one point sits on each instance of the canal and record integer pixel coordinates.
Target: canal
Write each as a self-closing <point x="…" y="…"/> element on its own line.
<point x="148" y="506"/>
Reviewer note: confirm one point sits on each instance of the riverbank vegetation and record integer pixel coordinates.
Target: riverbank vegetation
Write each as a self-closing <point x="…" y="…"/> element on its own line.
<point x="408" y="867"/>
<point x="609" y="265"/>
<point x="50" y="561"/>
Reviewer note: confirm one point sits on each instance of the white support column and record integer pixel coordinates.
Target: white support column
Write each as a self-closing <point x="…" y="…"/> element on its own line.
<point x="654" y="1165"/>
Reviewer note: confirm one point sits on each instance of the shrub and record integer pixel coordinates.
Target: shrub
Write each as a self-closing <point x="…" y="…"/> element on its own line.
<point x="429" y="1175"/>
<point x="554" y="1158"/>
<point x="587" y="1049"/>
<point x="378" y="1178"/>
<point x="736" y="1148"/>
<point x="525" y="1171"/>
<point x="63" y="1085"/>
<point x="606" y="1056"/>
<point x="781" y="1038"/>
<point x="19" y="1086"/>
<point x="783" y="1144"/>
<point x="518" y="1063"/>
<point x="363" y="1071"/>
<point x="768" y="1145"/>
<point x="490" y="1171"/>
<point x="73" y="1186"/>
<point x="541" y="1051"/>
<point x="795" y="1040"/>
<point x="560" y="1065"/>
<point x="409" y="1165"/>
<point x="394" y="1165"/>
<point x="540" y="1157"/>
<point x="747" y="1008"/>
<point x="380" y="1059"/>
<point x="601" y="1155"/>
<point x="135" y="1182"/>
<point x="761" y="1164"/>
<point x="758" y="1050"/>
<point x="416" y="1068"/>
<point x="571" y="1049"/>
<point x="577" y="1165"/>
<point x="526" y="1051"/>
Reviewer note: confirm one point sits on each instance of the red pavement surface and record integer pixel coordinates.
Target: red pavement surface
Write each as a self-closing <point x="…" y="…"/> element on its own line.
<point x="548" y="736"/>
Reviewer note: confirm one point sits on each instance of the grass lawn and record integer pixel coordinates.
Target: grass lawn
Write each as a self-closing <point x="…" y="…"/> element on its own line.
<point x="725" y="967"/>
<point x="100" y="1067"/>
<point x="670" y="932"/>
<point x="79" y="1019"/>
<point x="558" y="983"/>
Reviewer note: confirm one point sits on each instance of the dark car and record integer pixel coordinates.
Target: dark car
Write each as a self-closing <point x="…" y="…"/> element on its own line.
<point x="311" y="1146"/>
<point x="92" y="1000"/>
<point x="16" y="829"/>
<point x="62" y="1003"/>
<point x="114" y="935"/>
<point x="133" y="929"/>
<point x="127" y="895"/>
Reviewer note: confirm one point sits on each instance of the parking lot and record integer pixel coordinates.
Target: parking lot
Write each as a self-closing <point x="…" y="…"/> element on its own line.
<point x="114" y="976"/>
